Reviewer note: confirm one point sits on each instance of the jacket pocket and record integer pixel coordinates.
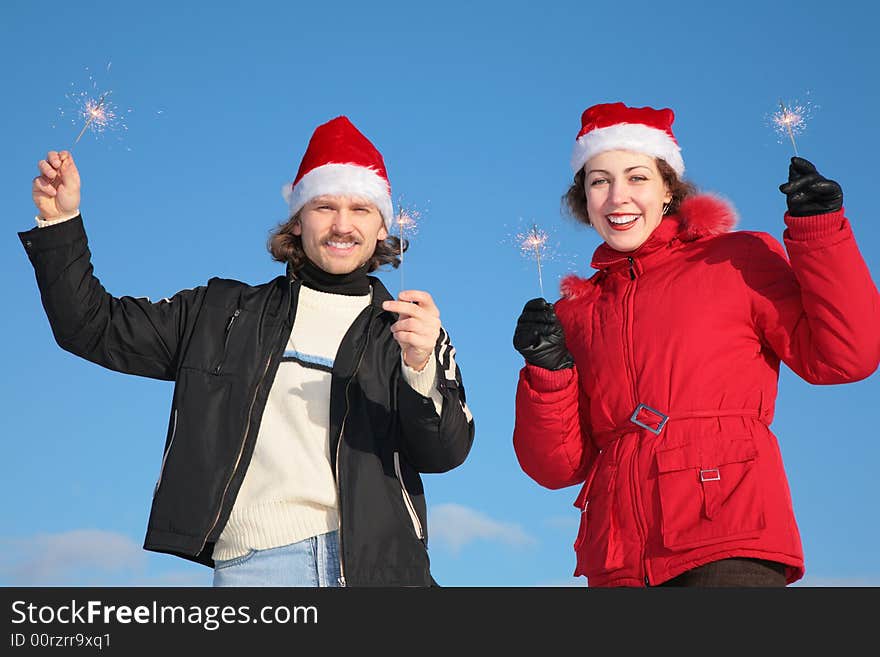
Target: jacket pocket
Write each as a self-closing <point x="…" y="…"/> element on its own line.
<point x="709" y="493"/>
<point x="593" y="544"/>
<point x="229" y="324"/>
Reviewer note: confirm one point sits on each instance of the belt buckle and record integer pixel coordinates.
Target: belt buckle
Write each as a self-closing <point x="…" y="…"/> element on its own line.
<point x="634" y="418"/>
<point x="710" y="474"/>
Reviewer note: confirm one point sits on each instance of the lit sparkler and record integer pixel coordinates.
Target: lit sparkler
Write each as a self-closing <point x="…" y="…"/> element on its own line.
<point x="533" y="244"/>
<point x="93" y="109"/>
<point x="791" y="120"/>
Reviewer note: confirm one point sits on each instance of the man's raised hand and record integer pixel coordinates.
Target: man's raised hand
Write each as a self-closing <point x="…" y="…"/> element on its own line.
<point x="56" y="191"/>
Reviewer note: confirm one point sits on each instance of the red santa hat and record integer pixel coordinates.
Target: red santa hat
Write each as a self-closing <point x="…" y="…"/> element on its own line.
<point x="340" y="161"/>
<point x="614" y="126"/>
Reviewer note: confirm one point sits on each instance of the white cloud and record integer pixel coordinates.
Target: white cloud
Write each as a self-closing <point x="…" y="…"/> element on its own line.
<point x="455" y="526"/>
<point x="566" y="523"/>
<point x="79" y="556"/>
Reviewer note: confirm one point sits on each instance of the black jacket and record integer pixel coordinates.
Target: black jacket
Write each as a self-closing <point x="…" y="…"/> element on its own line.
<point x="221" y="344"/>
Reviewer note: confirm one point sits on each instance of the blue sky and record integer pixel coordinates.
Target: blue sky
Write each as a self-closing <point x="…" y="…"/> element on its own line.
<point x="475" y="107"/>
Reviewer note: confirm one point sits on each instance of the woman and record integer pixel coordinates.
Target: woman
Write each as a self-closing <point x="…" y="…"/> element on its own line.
<point x="653" y="382"/>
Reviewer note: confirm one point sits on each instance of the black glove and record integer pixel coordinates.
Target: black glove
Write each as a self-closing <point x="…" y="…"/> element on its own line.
<point x="539" y="337"/>
<point x="807" y="192"/>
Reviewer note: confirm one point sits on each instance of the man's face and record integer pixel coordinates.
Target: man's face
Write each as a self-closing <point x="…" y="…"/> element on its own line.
<point x="339" y="233"/>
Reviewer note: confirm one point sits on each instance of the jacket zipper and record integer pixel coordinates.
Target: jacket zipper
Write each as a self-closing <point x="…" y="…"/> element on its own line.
<point x="226" y="339"/>
<point x="165" y="455"/>
<point x="248" y="423"/>
<point x="637" y="500"/>
<point x="407" y="500"/>
<point x="338" y="454"/>
<point x="627" y="320"/>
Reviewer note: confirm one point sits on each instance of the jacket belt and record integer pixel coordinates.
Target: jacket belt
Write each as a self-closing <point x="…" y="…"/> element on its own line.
<point x="647" y="419"/>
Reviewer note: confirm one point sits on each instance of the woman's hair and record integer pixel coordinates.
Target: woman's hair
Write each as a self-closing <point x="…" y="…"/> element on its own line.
<point x="575" y="198"/>
<point x="287" y="247"/>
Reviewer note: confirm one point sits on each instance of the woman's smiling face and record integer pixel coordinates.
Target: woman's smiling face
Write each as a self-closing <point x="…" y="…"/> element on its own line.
<point x="625" y="197"/>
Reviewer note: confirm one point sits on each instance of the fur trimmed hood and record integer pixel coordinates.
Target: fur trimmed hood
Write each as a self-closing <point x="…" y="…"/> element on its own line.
<point x="700" y="215"/>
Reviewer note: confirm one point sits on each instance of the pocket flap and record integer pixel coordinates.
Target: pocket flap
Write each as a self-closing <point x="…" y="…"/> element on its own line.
<point x="706" y="455"/>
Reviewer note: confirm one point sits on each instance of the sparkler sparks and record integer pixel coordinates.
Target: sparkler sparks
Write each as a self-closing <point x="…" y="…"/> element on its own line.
<point x="791" y="120"/>
<point x="96" y="113"/>
<point x="541" y="246"/>
<point x="533" y="244"/>
<point x="93" y="110"/>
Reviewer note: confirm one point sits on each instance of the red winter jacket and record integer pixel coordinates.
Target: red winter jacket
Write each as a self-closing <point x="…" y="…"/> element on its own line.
<point x="665" y="416"/>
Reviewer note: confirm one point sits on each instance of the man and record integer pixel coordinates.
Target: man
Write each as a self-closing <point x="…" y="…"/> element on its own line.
<point x="305" y="408"/>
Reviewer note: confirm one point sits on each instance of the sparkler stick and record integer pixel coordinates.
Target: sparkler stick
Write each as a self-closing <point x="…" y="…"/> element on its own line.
<point x="787" y="118"/>
<point x="406" y="219"/>
<point x="537" y="245"/>
<point x="400" y="225"/>
<point x="95" y="112"/>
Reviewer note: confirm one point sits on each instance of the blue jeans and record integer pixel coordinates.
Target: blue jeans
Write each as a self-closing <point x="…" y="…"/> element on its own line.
<point x="313" y="562"/>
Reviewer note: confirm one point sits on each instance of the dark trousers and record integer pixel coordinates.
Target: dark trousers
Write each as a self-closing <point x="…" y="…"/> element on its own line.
<point x="732" y="572"/>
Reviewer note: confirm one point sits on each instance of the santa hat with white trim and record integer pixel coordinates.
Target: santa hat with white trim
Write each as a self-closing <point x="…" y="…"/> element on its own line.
<point x="614" y="126"/>
<point x="340" y="161"/>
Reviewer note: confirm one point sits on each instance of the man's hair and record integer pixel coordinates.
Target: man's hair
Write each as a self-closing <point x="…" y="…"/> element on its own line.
<point x="286" y="247"/>
<point x="575" y="199"/>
